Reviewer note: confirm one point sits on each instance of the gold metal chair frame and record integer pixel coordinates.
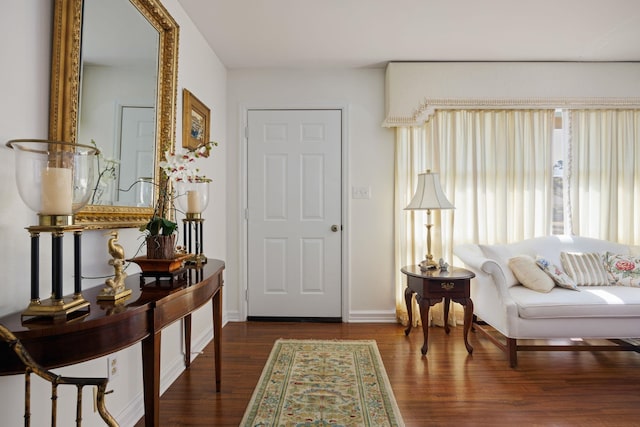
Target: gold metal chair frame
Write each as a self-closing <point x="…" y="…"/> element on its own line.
<point x="31" y="366"/>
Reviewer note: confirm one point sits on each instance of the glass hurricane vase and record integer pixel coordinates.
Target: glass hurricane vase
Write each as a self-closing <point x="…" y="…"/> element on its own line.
<point x="192" y="198"/>
<point x="54" y="178"/>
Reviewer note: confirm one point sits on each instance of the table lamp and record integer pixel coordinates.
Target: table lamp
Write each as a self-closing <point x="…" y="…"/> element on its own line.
<point x="429" y="196"/>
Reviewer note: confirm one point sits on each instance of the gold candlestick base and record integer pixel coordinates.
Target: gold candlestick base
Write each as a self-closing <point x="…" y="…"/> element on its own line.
<point x="197" y="260"/>
<point x="56" y="309"/>
<point x="104" y="296"/>
<point x="55" y="220"/>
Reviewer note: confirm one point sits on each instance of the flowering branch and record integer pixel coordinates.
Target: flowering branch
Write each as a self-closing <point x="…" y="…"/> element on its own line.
<point x="180" y="166"/>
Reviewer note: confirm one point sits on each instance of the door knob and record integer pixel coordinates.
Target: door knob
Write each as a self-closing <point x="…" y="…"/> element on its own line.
<point x="335" y="228"/>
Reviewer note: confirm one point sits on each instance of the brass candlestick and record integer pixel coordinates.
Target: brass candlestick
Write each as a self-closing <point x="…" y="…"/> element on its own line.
<point x="55" y="180"/>
<point x="57" y="306"/>
<point x="194" y="222"/>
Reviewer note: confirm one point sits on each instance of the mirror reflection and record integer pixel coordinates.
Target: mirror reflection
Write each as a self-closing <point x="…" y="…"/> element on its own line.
<point x="117" y="100"/>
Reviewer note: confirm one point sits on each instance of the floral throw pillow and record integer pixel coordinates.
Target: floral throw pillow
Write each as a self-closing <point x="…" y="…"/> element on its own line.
<point x="559" y="277"/>
<point x="623" y="269"/>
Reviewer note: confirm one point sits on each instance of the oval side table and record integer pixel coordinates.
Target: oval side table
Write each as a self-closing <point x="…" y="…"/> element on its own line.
<point x="430" y="288"/>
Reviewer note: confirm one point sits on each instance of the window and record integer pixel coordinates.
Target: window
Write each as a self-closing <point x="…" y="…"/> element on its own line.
<point x="558" y="151"/>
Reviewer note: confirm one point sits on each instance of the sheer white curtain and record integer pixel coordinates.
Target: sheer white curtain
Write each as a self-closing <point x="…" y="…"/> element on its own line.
<point x="495" y="167"/>
<point x="604" y="174"/>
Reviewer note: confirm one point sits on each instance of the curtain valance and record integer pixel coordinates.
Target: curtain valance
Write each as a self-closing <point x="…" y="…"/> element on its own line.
<point x="414" y="90"/>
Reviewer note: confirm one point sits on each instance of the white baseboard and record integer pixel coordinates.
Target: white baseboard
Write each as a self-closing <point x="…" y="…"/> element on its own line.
<point x="372" y="317"/>
<point x="231" y="316"/>
<point x="132" y="413"/>
<point x="354" y="317"/>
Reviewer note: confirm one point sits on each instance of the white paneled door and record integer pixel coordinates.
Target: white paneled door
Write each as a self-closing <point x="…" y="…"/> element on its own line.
<point x="136" y="151"/>
<point x="294" y="213"/>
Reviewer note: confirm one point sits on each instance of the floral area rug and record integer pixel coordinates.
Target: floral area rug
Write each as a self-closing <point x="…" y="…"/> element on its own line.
<point x="309" y="383"/>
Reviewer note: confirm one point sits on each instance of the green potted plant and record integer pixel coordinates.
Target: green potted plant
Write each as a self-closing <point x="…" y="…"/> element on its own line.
<point x="161" y="238"/>
<point x="160" y="230"/>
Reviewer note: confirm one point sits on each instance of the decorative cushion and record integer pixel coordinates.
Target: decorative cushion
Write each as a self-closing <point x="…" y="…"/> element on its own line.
<point x="586" y="269"/>
<point x="623" y="269"/>
<point x="529" y="274"/>
<point x="557" y="275"/>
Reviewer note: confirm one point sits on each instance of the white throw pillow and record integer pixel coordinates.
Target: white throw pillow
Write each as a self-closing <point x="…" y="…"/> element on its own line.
<point x="623" y="269"/>
<point x="529" y="274"/>
<point x="557" y="275"/>
<point x="586" y="269"/>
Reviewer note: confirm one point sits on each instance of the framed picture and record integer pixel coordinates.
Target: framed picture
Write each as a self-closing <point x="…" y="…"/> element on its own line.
<point x="196" y="119"/>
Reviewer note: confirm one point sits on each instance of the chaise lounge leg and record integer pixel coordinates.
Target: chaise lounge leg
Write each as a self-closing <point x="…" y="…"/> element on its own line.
<point x="512" y="350"/>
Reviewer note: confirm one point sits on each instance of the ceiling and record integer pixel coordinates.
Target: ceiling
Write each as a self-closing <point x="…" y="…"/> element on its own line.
<point x="370" y="33"/>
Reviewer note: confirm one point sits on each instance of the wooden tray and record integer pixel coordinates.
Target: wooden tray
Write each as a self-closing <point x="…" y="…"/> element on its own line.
<point x="148" y="265"/>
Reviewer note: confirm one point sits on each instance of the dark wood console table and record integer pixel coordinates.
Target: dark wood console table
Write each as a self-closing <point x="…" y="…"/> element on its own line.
<point x="430" y="288"/>
<point x="108" y="328"/>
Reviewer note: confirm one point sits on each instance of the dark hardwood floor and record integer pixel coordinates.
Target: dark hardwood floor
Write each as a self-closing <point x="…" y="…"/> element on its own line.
<point x="448" y="387"/>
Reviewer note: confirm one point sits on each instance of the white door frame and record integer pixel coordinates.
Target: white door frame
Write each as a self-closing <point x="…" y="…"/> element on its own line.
<point x="242" y="200"/>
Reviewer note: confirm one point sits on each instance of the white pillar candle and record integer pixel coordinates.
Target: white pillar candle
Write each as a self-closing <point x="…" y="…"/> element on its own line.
<point x="57" y="191"/>
<point x="193" y="202"/>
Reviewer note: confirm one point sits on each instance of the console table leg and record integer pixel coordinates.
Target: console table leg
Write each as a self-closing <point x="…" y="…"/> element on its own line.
<point x="187" y="340"/>
<point x="151" y="379"/>
<point x="217" y="332"/>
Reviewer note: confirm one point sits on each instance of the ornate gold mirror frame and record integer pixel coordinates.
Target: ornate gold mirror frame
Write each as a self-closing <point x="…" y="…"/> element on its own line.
<point x="65" y="82"/>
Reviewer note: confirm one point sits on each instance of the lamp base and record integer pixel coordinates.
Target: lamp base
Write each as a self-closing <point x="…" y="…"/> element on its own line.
<point x="56" y="309"/>
<point x="428" y="264"/>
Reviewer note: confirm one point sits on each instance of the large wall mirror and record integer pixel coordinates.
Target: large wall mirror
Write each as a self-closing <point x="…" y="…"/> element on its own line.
<point x="113" y="81"/>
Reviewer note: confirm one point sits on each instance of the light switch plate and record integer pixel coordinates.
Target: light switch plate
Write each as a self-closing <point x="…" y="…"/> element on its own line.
<point x="361" y="192"/>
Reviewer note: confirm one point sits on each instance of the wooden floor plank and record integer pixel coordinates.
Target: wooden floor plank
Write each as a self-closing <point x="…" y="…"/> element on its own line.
<point x="447" y="387"/>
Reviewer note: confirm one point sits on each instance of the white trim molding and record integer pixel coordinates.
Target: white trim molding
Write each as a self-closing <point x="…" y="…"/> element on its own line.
<point x="415" y="90"/>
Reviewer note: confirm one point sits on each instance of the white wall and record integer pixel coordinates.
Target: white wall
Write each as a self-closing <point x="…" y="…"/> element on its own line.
<point x="369" y="226"/>
<point x="24" y="113"/>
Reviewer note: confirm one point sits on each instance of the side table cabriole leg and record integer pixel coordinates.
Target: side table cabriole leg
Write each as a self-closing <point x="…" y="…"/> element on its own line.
<point x="468" y="317"/>
<point x="408" y="295"/>
<point x="447" y="304"/>
<point x="425" y="304"/>
<point x="468" y="320"/>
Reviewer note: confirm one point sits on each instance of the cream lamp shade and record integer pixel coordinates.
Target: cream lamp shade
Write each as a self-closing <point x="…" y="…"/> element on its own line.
<point x="429" y="194"/>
